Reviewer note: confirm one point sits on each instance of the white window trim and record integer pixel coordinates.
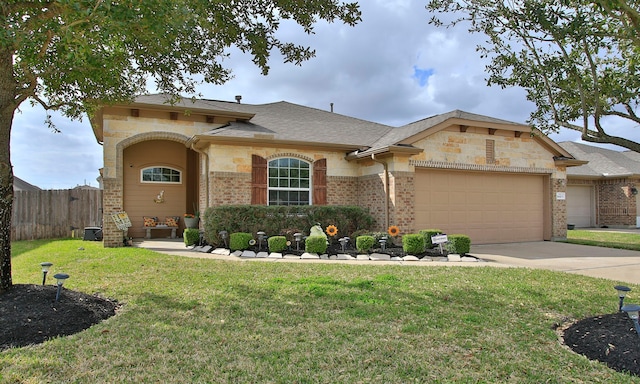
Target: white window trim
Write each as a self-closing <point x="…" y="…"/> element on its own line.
<point x="310" y="189"/>
<point x="160" y="182"/>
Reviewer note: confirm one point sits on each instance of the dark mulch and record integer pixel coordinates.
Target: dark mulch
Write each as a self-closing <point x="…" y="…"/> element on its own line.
<point x="30" y="315"/>
<point x="611" y="339"/>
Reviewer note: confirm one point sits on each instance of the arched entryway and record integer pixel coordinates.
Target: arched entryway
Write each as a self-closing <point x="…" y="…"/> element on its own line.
<point x="159" y="180"/>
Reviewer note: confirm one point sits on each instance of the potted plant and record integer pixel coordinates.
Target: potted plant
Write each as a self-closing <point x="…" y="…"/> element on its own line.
<point x="191" y="220"/>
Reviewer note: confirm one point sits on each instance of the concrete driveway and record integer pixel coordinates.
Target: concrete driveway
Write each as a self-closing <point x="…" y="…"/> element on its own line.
<point x="615" y="264"/>
<point x="618" y="265"/>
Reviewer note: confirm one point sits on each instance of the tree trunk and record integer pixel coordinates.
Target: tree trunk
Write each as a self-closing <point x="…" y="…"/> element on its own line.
<point x="7" y="109"/>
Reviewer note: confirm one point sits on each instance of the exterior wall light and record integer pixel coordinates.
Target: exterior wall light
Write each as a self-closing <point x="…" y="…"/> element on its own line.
<point x="633" y="311"/>
<point x="45" y="269"/>
<point x="622" y="292"/>
<point x="60" y="277"/>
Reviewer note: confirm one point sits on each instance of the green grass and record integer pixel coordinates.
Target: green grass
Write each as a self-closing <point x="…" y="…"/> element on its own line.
<point x="206" y="321"/>
<point x="607" y="239"/>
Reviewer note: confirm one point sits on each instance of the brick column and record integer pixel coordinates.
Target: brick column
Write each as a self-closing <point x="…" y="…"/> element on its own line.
<point x="558" y="210"/>
<point x="402" y="206"/>
<point x="111" y="203"/>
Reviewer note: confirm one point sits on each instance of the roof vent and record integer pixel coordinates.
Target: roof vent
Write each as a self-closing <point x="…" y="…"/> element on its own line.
<point x="238" y="98"/>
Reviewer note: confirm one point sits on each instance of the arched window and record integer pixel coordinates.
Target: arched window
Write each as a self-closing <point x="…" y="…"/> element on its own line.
<point x="289" y="182"/>
<point x="160" y="175"/>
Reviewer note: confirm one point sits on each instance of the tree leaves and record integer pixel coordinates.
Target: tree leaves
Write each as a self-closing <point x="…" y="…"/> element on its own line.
<point x="576" y="59"/>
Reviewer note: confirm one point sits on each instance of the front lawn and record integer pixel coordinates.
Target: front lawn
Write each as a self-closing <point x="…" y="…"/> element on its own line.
<point x="602" y="238"/>
<point x="203" y="321"/>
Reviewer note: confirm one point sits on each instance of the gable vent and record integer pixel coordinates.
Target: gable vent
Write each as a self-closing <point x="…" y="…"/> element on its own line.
<point x="491" y="151"/>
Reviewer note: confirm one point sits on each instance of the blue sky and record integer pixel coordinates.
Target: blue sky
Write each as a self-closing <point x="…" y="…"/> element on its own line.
<point x="393" y="68"/>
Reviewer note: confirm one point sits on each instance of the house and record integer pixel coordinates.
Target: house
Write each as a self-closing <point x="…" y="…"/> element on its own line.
<point x="603" y="192"/>
<point x="494" y="180"/>
<point x="21" y="185"/>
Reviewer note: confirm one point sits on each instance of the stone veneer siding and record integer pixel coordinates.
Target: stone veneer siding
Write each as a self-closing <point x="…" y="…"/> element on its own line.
<point x="402" y="207"/>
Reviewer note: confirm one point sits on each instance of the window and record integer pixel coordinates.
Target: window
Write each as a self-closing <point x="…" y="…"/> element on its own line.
<point x="289" y="182"/>
<point x="160" y="175"/>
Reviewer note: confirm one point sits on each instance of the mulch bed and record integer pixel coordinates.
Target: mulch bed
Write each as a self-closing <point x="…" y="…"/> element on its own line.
<point x="30" y="314"/>
<point x="611" y="339"/>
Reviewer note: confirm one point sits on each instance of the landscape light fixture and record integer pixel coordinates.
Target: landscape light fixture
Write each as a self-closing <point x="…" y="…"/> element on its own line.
<point x="622" y="292"/>
<point x="383" y="243"/>
<point x="60" y="278"/>
<point x="633" y="311"/>
<point x="261" y="236"/>
<point x="297" y="237"/>
<point x="45" y="268"/>
<point x="343" y="242"/>
<point x="224" y="235"/>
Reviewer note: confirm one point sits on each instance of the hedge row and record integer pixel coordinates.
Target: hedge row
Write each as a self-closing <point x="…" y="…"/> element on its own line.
<point x="283" y="220"/>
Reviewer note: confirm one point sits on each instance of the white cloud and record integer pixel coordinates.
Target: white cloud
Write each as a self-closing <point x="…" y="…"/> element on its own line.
<point x="367" y="72"/>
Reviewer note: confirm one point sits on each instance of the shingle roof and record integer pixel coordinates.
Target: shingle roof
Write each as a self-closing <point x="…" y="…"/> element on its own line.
<point x="602" y="162"/>
<point x="284" y="121"/>
<point x="287" y="121"/>
<point x="21" y="185"/>
<point x="399" y="134"/>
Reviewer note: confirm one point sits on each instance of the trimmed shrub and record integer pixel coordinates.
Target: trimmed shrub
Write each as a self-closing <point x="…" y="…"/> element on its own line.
<point x="460" y="244"/>
<point x="277" y="243"/>
<point x="239" y="241"/>
<point x="413" y="243"/>
<point x="427" y="233"/>
<point x="275" y="219"/>
<point x="315" y="244"/>
<point x="364" y="243"/>
<point x="191" y="236"/>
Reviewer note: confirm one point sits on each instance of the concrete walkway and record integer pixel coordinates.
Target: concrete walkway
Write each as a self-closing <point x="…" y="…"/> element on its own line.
<point x="620" y="266"/>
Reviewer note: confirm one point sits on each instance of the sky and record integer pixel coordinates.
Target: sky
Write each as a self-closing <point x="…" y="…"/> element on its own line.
<point x="392" y="68"/>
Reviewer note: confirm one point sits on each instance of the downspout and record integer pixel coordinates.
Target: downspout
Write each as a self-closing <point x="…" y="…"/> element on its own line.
<point x="385" y="165"/>
<point x="206" y="172"/>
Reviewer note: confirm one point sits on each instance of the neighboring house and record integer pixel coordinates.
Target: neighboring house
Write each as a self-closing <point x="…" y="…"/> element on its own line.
<point x="460" y="172"/>
<point x="603" y="192"/>
<point x="21" y="185"/>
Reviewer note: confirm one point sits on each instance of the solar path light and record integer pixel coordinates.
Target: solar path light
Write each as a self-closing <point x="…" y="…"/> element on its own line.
<point x="45" y="269"/>
<point x="60" y="278"/>
<point x="297" y="237"/>
<point x="633" y="311"/>
<point x="622" y="292"/>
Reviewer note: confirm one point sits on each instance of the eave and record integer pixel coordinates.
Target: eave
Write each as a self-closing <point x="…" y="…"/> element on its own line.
<point x="391" y="150"/>
<point x="568" y="162"/>
<point x="202" y="141"/>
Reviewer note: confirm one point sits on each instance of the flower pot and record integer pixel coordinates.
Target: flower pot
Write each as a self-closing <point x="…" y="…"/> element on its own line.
<point x="191" y="222"/>
<point x="571" y="226"/>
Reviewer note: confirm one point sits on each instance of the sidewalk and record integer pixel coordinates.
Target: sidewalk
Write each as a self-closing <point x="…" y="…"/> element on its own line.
<point x="620" y="266"/>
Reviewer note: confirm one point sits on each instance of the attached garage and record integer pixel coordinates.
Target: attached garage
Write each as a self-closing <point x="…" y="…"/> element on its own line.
<point x="488" y="207"/>
<point x="581" y="206"/>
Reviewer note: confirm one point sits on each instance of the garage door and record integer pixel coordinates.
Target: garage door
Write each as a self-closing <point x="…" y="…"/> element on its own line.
<point x="488" y="207"/>
<point x="580" y="206"/>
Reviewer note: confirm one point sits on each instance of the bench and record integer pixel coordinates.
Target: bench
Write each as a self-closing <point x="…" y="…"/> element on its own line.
<point x="148" y="229"/>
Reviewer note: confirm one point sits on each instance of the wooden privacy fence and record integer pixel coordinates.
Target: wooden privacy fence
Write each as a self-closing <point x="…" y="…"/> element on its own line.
<point x="50" y="214"/>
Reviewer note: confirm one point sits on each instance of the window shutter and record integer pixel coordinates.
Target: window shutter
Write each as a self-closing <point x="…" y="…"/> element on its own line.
<point x="258" y="180"/>
<point x="320" y="182"/>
